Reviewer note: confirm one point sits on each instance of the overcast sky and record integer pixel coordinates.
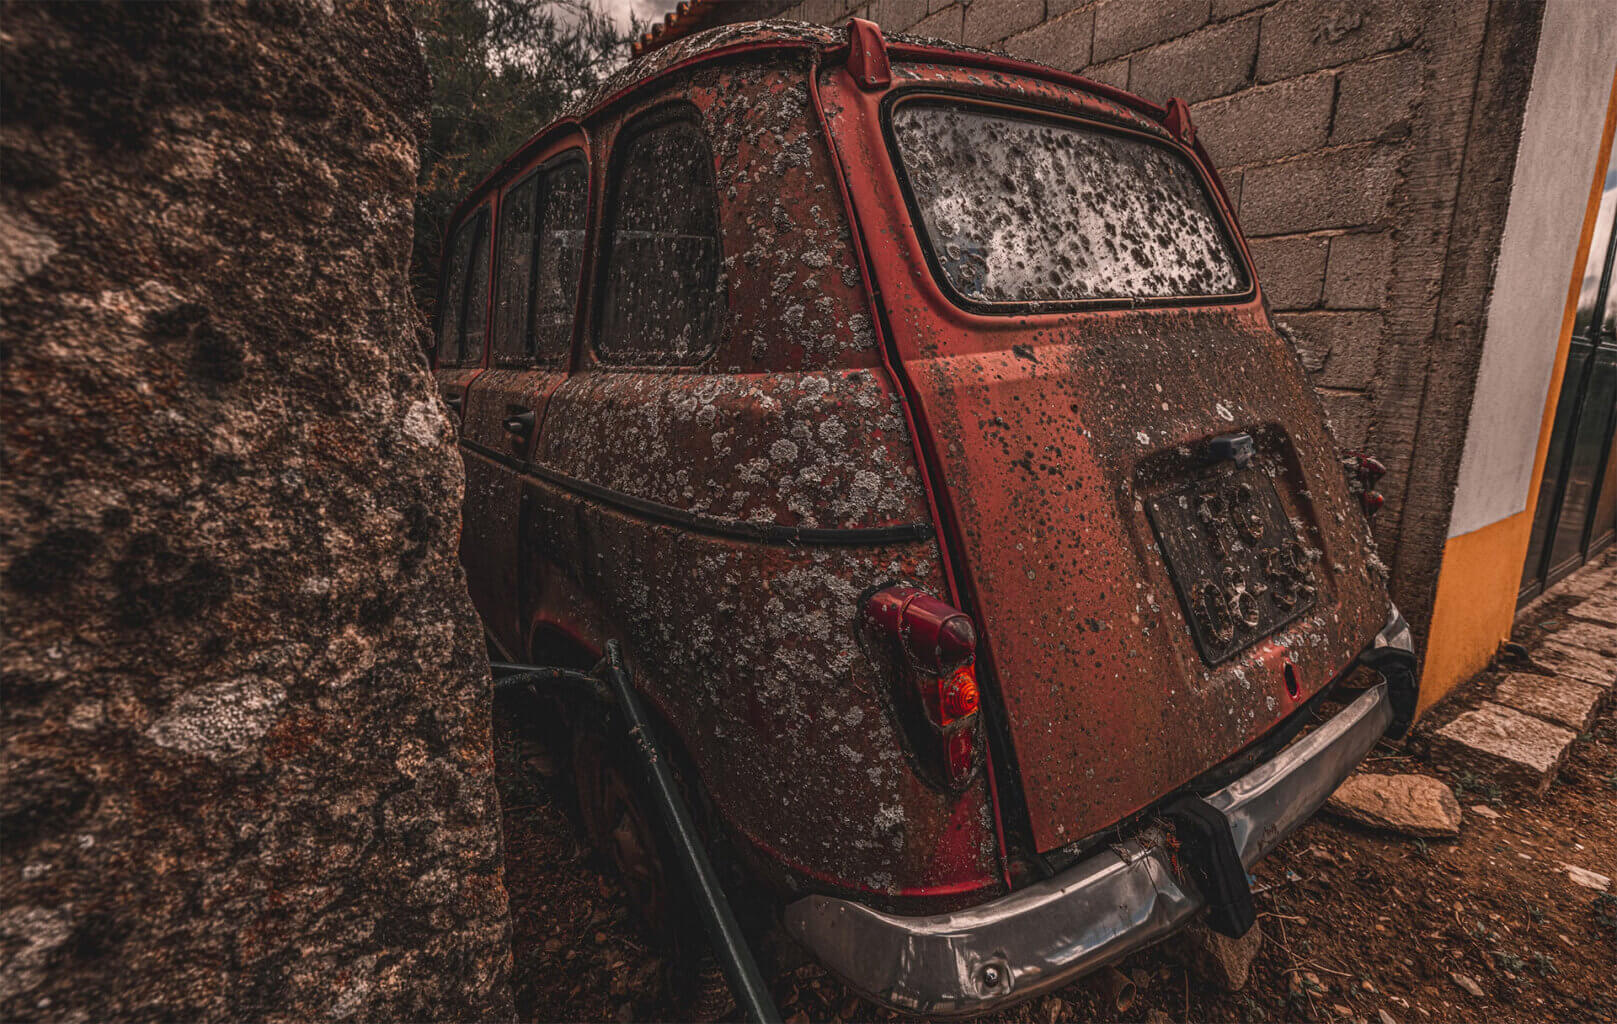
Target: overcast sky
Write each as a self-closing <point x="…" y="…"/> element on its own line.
<point x="647" y="10"/>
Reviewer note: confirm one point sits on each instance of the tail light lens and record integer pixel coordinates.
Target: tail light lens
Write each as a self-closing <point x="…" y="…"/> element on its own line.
<point x="932" y="649"/>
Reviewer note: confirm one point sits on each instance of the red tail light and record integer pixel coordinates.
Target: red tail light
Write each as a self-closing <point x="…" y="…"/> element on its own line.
<point x="932" y="647"/>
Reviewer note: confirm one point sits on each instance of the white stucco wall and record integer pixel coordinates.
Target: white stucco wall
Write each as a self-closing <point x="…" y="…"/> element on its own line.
<point x="1555" y="164"/>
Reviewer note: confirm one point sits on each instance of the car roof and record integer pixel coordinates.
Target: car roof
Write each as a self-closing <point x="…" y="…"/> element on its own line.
<point x="726" y="41"/>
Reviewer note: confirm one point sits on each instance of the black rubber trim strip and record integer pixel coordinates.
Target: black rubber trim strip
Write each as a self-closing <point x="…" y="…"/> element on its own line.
<point x="767" y="533"/>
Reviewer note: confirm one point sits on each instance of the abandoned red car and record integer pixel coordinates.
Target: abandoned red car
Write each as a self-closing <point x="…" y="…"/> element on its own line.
<point x="911" y="419"/>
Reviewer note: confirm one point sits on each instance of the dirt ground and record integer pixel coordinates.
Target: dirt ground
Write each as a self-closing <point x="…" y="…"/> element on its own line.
<point x="1357" y="925"/>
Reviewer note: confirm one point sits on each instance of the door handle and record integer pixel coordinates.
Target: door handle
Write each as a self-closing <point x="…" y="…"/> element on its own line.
<point x="520" y="424"/>
<point x="454" y="403"/>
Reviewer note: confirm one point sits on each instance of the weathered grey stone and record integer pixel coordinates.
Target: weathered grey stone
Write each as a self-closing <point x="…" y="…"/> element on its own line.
<point x="1307" y="35"/>
<point x="1517" y="751"/>
<point x="1338" y="348"/>
<point x="989" y="21"/>
<point x="1376" y="99"/>
<point x="1595" y="637"/>
<point x="1213" y="62"/>
<point x="1125" y="25"/>
<point x="1216" y="959"/>
<point x="1262" y="124"/>
<point x="1343" y="188"/>
<point x="1060" y="42"/>
<point x="1577" y="663"/>
<point x="1601" y="606"/>
<point x="1562" y="701"/>
<point x="1415" y="805"/>
<point x="1356" y="276"/>
<point x="246" y="712"/>
<point x="1290" y="269"/>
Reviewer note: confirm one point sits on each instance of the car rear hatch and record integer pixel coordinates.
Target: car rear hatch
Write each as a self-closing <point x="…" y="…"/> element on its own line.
<point x="1143" y="506"/>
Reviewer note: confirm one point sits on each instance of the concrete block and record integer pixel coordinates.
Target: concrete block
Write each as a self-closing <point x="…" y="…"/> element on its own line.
<point x="1124" y="26"/>
<point x="1344" y="188"/>
<point x="823" y="12"/>
<point x="1213" y="62"/>
<point x="1359" y="268"/>
<point x="1061" y="43"/>
<point x="1291" y="270"/>
<point x="1306" y="35"/>
<point x="1601" y="606"/>
<point x="944" y="23"/>
<point x="1591" y="636"/>
<point x="1517" y="751"/>
<point x="1560" y="701"/>
<point x="1113" y="73"/>
<point x="989" y="21"/>
<point x="1257" y="125"/>
<point x="1347" y="413"/>
<point x="901" y="15"/>
<point x="1338" y="349"/>
<point x="1230" y="8"/>
<point x="1375" y="100"/>
<point x="1232" y="185"/>
<point x="1577" y="663"/>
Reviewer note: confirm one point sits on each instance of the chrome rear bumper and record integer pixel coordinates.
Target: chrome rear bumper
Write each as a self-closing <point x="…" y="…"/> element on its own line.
<point x="1117" y="901"/>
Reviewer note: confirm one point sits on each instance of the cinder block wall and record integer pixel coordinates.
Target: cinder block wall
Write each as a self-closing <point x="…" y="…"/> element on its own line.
<point x="1368" y="146"/>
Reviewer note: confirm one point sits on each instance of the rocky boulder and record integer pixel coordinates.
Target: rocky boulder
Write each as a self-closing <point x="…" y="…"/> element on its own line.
<point x="1414" y="805"/>
<point x="246" y="720"/>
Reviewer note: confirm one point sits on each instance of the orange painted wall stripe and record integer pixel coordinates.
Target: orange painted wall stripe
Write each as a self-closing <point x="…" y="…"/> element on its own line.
<point x="1481" y="574"/>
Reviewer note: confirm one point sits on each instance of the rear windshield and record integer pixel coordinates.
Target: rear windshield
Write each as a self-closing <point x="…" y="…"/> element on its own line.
<point x="1022" y="210"/>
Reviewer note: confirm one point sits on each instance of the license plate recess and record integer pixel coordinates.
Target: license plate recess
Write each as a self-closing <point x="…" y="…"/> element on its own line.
<point x="1237" y="562"/>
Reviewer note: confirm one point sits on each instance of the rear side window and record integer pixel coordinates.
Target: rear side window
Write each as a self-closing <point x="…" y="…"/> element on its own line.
<point x="513" y="280"/>
<point x="537" y="284"/>
<point x="476" y="323"/>
<point x="560" y="255"/>
<point x="663" y="299"/>
<point x="452" y="347"/>
<point x="1020" y="210"/>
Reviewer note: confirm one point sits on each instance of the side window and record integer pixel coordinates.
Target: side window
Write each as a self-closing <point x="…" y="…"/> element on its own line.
<point x="514" y="273"/>
<point x="663" y="296"/>
<point x="471" y="346"/>
<point x="561" y="254"/>
<point x="453" y="301"/>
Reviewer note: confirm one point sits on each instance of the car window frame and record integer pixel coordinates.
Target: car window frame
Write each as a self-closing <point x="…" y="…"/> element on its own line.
<point x="1031" y="111"/>
<point x="677" y="110"/>
<point x="478" y="220"/>
<point x="539" y="173"/>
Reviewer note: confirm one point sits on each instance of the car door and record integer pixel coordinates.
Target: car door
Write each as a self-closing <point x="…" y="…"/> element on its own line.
<point x="538" y="245"/>
<point x="1155" y="533"/>
<point x="462" y="310"/>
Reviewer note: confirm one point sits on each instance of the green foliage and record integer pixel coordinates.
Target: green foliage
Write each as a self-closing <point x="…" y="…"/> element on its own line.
<point x="501" y="70"/>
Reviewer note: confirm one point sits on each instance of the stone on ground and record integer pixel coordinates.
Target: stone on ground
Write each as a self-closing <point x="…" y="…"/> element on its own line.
<point x="1561" y="701"/>
<point x="1415" y="805"/>
<point x="1577" y="663"/>
<point x="1586" y="878"/>
<point x="1601" y="606"/>
<point x="1468" y="983"/>
<point x="1591" y="636"/>
<point x="1218" y="959"/>
<point x="1517" y="751"/>
<point x="1483" y="810"/>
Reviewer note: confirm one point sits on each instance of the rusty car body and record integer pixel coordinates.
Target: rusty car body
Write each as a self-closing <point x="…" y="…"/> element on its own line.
<point x="912" y="417"/>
